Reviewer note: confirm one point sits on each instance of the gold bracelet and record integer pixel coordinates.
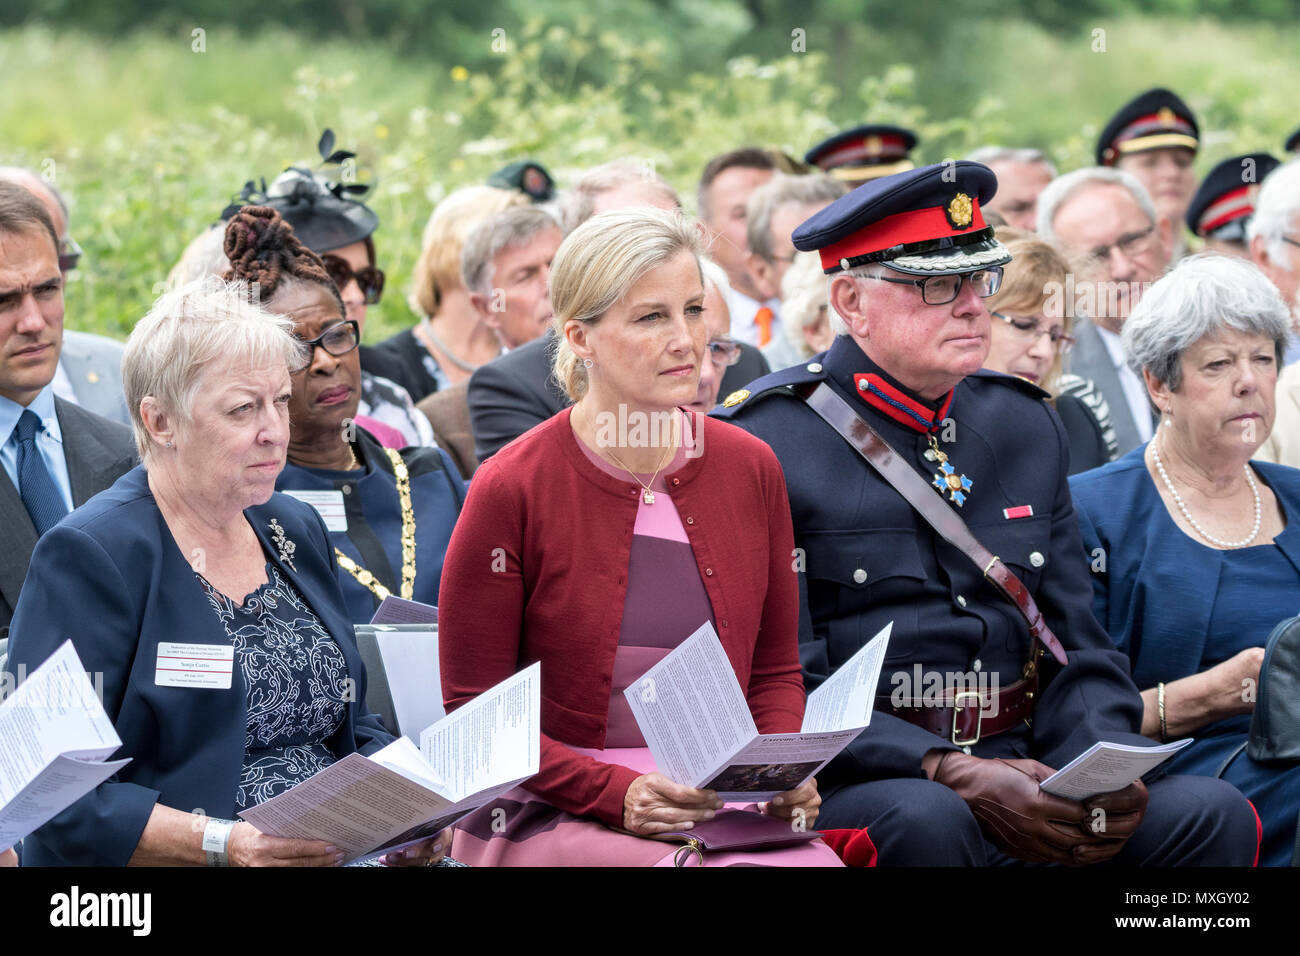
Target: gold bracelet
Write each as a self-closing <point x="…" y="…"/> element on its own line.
<point x="1160" y="705"/>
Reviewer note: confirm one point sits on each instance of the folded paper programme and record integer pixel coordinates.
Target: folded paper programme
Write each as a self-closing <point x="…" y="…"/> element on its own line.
<point x="55" y="740"/>
<point x="695" y="720"/>
<point x="367" y="806"/>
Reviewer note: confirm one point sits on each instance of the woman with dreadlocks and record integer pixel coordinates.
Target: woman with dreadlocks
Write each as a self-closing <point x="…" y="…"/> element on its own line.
<point x="389" y="514"/>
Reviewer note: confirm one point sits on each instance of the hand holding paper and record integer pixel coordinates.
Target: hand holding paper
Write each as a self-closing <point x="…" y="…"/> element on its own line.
<point x="368" y="806"/>
<point x="54" y="743"/>
<point x="697" y="724"/>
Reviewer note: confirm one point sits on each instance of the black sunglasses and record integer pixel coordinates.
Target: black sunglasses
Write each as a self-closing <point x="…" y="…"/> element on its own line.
<point x="369" y="279"/>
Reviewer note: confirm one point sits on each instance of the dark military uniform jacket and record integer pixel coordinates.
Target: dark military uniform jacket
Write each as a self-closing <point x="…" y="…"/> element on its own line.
<point x="868" y="559"/>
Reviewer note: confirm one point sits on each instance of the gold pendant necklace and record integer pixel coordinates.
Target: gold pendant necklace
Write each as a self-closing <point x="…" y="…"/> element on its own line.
<point x="647" y="495"/>
<point x="364" y="577"/>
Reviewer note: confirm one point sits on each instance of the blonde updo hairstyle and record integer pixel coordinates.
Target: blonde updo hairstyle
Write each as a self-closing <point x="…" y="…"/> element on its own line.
<point x="437" y="271"/>
<point x="596" y="266"/>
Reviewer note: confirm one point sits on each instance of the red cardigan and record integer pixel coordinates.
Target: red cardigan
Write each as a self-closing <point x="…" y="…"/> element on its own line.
<point x="537" y="570"/>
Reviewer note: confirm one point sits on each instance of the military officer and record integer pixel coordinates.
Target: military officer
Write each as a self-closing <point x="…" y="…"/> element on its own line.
<point x="1155" y="137"/>
<point x="863" y="153"/>
<point x="971" y="713"/>
<point x="1225" y="202"/>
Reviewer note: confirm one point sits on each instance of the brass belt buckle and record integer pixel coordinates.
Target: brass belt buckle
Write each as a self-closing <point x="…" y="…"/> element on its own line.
<point x="979" y="717"/>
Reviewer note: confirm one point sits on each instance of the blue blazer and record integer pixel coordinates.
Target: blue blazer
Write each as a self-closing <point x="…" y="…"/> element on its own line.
<point x="1153" y="586"/>
<point x="111" y="578"/>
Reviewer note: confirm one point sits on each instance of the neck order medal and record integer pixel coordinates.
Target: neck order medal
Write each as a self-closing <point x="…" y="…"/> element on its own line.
<point x="946" y="478"/>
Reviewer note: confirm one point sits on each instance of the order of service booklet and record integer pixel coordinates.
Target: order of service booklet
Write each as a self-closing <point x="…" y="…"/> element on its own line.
<point x="368" y="806"/>
<point x="695" y="720"/>
<point x="55" y="741"/>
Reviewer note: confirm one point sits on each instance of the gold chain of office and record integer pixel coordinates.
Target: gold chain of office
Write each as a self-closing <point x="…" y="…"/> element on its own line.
<point x="363" y="576"/>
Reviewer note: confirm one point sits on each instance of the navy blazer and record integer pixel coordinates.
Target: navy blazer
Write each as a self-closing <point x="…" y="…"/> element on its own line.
<point x="111" y="578"/>
<point x="1153" y="586"/>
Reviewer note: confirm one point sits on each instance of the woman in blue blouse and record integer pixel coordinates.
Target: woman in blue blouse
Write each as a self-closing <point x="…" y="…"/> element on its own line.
<point x="1195" y="550"/>
<point x="389" y="514"/>
<point x="207" y="606"/>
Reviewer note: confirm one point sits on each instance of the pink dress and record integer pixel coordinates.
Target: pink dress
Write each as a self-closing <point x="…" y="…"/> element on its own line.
<point x="666" y="602"/>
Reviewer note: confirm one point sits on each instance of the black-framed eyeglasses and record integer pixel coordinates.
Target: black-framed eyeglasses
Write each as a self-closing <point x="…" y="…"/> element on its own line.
<point x="369" y="279"/>
<point x="1032" y="328"/>
<point x="1133" y="244"/>
<point x="940" y="290"/>
<point x="337" y="340"/>
<point x="724" y="353"/>
<point x="1290" y="240"/>
<point x="69" y="254"/>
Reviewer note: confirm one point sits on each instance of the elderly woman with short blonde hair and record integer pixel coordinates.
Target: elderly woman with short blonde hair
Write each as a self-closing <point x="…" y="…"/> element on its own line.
<point x="613" y="544"/>
<point x="209" y="605"/>
<point x="450" y="341"/>
<point x="1194" y="547"/>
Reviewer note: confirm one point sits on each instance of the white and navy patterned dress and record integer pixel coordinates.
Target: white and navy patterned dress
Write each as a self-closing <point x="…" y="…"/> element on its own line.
<point x="296" y="682"/>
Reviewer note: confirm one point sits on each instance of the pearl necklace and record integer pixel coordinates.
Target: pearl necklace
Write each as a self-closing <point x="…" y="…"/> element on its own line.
<point x="1182" y="506"/>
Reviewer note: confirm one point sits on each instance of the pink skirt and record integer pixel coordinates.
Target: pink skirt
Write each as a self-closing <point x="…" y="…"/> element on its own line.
<point x="519" y="829"/>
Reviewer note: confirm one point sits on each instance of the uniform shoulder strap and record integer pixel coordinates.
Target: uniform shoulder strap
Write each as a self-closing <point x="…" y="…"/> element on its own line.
<point x="947" y="523"/>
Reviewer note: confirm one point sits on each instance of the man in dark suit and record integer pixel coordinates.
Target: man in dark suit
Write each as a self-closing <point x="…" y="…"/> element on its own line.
<point x="511" y="394"/>
<point x="89" y="373"/>
<point x="55" y="455"/>
<point x="1107" y="216"/>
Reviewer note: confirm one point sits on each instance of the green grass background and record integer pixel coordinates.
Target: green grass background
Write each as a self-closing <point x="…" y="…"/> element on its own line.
<point x="149" y="137"/>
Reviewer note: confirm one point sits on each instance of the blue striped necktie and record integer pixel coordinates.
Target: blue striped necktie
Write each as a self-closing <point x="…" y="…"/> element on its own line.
<point x="41" y="496"/>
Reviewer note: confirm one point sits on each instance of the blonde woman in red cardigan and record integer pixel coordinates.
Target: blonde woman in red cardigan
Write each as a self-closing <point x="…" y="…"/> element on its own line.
<point x="599" y="540"/>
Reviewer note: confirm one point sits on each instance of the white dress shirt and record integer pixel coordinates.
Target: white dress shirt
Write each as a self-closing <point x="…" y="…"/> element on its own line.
<point x="49" y="442"/>
<point x="1135" y="392"/>
<point x="743" y="309"/>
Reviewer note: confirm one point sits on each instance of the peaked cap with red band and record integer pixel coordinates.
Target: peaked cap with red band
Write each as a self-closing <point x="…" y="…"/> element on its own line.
<point x="922" y="222"/>
<point x="1225" y="200"/>
<point x="1156" y="119"/>
<point x="864" y="152"/>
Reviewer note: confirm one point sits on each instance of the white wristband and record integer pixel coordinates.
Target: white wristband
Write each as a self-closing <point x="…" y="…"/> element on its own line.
<point x="216" y="836"/>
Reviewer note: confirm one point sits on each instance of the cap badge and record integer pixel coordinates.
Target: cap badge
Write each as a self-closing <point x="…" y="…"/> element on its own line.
<point x="873" y="145"/>
<point x="735" y="398"/>
<point x="1165" y="115"/>
<point x="960" y="211"/>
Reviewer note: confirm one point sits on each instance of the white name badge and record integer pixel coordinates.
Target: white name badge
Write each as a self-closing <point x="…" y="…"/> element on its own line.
<point x="329" y="504"/>
<point x="194" y="665"/>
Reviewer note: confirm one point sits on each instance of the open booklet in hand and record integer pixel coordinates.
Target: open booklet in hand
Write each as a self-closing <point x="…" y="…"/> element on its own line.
<point x="55" y="740"/>
<point x="368" y="806"/>
<point x="695" y="720"/>
<point x="1106" y="767"/>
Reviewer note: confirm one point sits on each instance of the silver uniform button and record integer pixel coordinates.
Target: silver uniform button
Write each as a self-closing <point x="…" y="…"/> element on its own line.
<point x="977" y="665"/>
<point x="961" y="600"/>
<point x="1036" y="558"/>
<point x="860" y="576"/>
<point x="862" y="385"/>
<point x="347" y="489"/>
<point x="966" y="751"/>
<point x="815" y="367"/>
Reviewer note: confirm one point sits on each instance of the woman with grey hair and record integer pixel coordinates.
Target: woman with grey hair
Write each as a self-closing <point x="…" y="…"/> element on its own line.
<point x="1194" y="561"/>
<point x="209" y="607"/>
